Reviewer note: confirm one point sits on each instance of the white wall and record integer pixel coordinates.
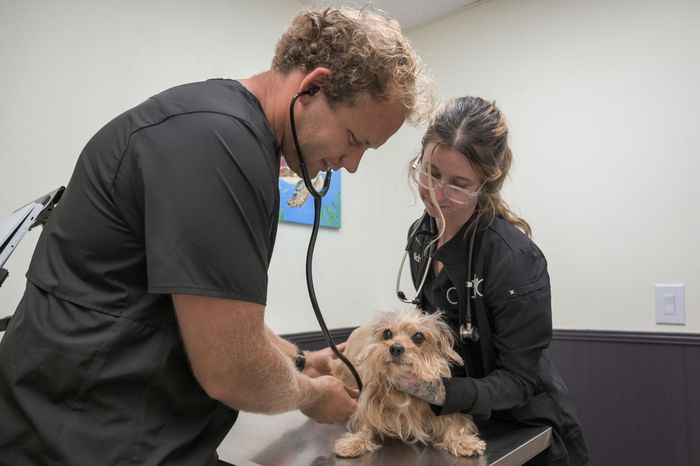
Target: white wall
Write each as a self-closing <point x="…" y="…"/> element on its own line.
<point x="69" y="67"/>
<point x="601" y="96"/>
<point x="603" y="100"/>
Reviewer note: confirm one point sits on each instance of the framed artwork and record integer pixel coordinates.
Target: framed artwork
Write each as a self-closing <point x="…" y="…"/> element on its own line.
<point x="297" y="204"/>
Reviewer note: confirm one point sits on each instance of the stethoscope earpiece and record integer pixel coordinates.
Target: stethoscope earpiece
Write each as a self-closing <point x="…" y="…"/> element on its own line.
<point x="312" y="90"/>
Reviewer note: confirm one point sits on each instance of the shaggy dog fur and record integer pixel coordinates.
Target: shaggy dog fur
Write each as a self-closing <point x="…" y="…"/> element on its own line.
<point x="385" y="412"/>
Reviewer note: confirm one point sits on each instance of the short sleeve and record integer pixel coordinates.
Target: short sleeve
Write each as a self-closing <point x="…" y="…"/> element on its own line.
<point x="208" y="195"/>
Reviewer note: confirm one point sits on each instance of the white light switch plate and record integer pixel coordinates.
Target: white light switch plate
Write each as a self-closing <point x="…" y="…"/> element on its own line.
<point x="670" y="304"/>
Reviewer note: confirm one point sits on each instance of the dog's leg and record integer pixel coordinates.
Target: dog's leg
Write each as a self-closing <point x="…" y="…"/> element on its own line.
<point x="460" y="438"/>
<point x="354" y="444"/>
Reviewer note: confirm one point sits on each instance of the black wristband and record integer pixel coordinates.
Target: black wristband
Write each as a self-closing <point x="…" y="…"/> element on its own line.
<point x="300" y="360"/>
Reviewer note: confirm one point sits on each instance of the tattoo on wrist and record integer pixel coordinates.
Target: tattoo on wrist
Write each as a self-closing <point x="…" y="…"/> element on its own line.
<point x="433" y="392"/>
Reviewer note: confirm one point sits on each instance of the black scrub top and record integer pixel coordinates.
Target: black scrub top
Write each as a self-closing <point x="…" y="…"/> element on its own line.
<point x="177" y="195"/>
<point x="508" y="373"/>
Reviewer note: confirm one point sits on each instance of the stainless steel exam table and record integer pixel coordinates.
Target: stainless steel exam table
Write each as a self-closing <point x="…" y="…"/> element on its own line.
<point x="291" y="439"/>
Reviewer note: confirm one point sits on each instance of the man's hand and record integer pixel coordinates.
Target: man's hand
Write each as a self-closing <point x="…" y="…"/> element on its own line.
<point x="317" y="361"/>
<point x="433" y="392"/>
<point x="329" y="400"/>
<point x="238" y="362"/>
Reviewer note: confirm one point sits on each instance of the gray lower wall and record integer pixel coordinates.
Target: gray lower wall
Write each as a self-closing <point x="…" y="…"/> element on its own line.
<point x="637" y="393"/>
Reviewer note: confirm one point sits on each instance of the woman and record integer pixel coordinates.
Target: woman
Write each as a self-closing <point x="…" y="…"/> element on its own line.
<point x="502" y="317"/>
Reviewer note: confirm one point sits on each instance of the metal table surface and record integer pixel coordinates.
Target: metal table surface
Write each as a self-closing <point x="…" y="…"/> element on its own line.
<point x="292" y="439"/>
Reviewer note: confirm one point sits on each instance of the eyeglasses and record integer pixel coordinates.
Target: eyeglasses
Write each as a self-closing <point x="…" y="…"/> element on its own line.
<point x="429" y="182"/>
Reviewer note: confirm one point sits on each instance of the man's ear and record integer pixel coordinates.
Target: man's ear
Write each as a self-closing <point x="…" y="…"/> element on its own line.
<point x="314" y="80"/>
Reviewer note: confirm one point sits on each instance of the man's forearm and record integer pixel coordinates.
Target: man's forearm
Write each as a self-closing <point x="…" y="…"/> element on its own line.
<point x="271" y="371"/>
<point x="287" y="347"/>
<point x="234" y="359"/>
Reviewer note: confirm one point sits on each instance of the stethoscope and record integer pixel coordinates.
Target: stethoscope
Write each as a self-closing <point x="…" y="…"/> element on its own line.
<point x="318" y="197"/>
<point x="467" y="331"/>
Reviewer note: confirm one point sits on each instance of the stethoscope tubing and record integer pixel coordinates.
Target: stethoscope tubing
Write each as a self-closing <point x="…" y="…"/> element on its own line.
<point x="467" y="331"/>
<point x="302" y="163"/>
<point x="400" y="294"/>
<point x="318" y="198"/>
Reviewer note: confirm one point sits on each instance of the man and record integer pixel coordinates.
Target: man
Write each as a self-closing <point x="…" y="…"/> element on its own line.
<point x="140" y="334"/>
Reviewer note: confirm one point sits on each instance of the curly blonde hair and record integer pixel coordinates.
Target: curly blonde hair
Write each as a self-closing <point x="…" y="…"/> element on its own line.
<point x="366" y="52"/>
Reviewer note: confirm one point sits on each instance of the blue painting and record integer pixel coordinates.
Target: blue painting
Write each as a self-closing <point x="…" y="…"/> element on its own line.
<point x="297" y="205"/>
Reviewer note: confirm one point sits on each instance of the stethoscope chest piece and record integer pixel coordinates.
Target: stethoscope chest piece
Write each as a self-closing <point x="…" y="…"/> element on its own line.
<point x="468" y="332"/>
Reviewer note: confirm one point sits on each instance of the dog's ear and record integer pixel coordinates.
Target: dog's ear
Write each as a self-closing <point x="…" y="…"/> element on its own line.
<point x="449" y="352"/>
<point x="445" y="339"/>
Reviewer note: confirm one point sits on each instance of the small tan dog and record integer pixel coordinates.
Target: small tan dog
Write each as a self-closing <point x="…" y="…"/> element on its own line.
<point x="403" y="342"/>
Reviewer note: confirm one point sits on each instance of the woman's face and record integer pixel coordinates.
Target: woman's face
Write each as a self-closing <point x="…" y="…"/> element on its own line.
<point x="449" y="167"/>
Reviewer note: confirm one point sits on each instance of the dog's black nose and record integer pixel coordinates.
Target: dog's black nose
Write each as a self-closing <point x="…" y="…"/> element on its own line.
<point x="396" y="350"/>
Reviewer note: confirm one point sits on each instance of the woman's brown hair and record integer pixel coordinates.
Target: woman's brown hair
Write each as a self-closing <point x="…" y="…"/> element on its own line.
<point x="477" y="129"/>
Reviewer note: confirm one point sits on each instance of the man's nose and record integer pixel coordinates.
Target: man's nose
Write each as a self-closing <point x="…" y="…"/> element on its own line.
<point x="351" y="160"/>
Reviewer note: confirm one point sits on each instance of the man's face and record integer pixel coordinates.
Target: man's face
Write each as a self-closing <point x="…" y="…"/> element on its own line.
<point x="337" y="138"/>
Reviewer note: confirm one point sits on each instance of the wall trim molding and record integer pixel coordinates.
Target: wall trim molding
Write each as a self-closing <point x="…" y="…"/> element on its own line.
<point x="629" y="337"/>
<point x="314" y="340"/>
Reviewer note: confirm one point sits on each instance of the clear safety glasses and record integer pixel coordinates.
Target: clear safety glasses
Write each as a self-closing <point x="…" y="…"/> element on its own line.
<point x="429" y="182"/>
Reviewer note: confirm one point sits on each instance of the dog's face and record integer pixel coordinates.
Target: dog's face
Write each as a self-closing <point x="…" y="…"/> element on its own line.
<point x="397" y="343"/>
<point x="411" y="342"/>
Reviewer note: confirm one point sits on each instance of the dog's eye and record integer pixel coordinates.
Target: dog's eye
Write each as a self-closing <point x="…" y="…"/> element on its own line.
<point x="388" y="334"/>
<point x="418" y="338"/>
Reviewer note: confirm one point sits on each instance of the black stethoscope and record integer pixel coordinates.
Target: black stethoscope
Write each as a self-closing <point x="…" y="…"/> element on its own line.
<point x="467" y="331"/>
<point x="318" y="197"/>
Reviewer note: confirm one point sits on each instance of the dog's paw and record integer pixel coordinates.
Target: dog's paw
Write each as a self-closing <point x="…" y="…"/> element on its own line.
<point x="464" y="446"/>
<point x="352" y="445"/>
